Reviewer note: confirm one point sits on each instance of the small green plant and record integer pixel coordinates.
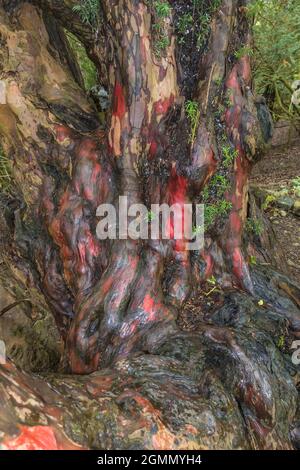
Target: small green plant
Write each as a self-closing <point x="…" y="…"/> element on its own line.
<point x="244" y="51"/>
<point x="296" y="185"/>
<point x="220" y="183"/>
<point x="205" y="28"/>
<point x="296" y="182"/>
<point x="150" y="216"/>
<point x="229" y="155"/>
<point x="228" y="98"/>
<point x="218" y="81"/>
<point x="205" y="194"/>
<point x="185" y="22"/>
<point x="162" y="9"/>
<point x="194" y="25"/>
<point x="193" y="112"/>
<point x="254" y="226"/>
<point x="213" y="211"/>
<point x="281" y="342"/>
<point x="268" y="201"/>
<point x="252" y="260"/>
<point x="212" y="281"/>
<point x="88" y="11"/>
<point x="5" y="173"/>
<point x="197" y="230"/>
<point x="161" y="44"/>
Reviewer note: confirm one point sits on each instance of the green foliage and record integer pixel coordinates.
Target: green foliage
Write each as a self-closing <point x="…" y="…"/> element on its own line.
<point x="87" y="67"/>
<point x="5" y="173"/>
<point x="88" y="11"/>
<point x="162" y="9"/>
<point x="212" y="281"/>
<point x="244" y="51"/>
<point x="185" y="22"/>
<point x="229" y="155"/>
<point x="205" y="28"/>
<point x="281" y="342"/>
<point x="197" y="230"/>
<point x="228" y="98"/>
<point x="254" y="226"/>
<point x="220" y="184"/>
<point x="214" y="211"/>
<point x="296" y="183"/>
<point x="193" y="112"/>
<point x="196" y="20"/>
<point x="252" y="260"/>
<point x="150" y="216"/>
<point x="205" y="194"/>
<point x="214" y="195"/>
<point x="268" y="201"/>
<point x="277" y="53"/>
<point x="161" y="44"/>
<point x="218" y="81"/>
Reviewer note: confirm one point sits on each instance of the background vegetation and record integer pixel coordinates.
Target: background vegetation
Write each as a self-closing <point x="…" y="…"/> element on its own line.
<point x="276" y="54"/>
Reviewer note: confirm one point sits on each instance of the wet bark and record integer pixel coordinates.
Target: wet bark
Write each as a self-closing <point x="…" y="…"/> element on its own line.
<point x="116" y="303"/>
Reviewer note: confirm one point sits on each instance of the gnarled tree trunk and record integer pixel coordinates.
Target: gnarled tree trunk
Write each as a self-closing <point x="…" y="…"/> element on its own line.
<point x="116" y="303"/>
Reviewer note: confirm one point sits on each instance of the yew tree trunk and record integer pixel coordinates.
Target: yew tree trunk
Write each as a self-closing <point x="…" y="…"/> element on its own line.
<point x="116" y="302"/>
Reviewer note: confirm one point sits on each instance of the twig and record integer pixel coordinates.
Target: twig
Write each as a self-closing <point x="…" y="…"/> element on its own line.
<point x="13" y="305"/>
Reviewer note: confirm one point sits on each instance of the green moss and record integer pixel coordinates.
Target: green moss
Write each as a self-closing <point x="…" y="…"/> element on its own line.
<point x="87" y="67"/>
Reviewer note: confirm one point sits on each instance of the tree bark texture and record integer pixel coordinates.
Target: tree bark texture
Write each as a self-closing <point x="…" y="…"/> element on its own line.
<point x="115" y="303"/>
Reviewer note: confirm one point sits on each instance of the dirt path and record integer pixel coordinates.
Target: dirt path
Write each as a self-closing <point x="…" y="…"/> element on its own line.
<point x="276" y="173"/>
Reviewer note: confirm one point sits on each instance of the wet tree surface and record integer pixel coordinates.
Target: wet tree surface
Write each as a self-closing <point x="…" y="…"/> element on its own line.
<point x="130" y="377"/>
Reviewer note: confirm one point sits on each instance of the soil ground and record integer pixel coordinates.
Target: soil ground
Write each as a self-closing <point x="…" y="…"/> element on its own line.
<point x="275" y="172"/>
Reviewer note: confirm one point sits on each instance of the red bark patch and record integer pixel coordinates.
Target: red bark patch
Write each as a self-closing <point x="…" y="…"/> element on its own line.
<point x="162" y="106"/>
<point x="153" y="149"/>
<point x="63" y="133"/>
<point x="209" y="265"/>
<point x="33" y="438"/>
<point x="119" y="101"/>
<point x="148" y="306"/>
<point x="177" y="195"/>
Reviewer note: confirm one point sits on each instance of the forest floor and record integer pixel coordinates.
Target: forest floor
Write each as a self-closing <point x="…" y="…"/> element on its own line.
<point x="275" y="174"/>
